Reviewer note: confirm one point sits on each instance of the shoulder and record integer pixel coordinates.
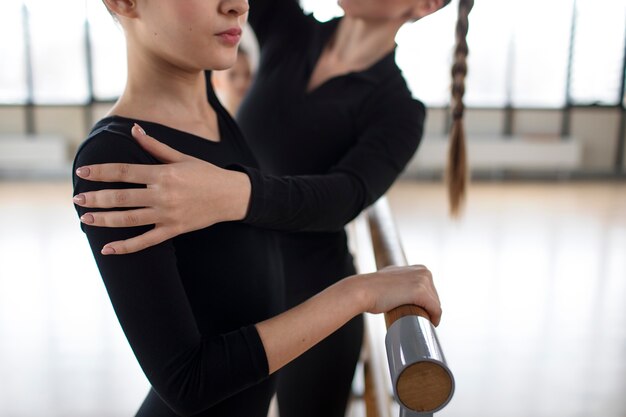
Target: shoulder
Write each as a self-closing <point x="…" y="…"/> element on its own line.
<point x="110" y="140"/>
<point x="276" y="22"/>
<point x="390" y="93"/>
<point x="392" y="101"/>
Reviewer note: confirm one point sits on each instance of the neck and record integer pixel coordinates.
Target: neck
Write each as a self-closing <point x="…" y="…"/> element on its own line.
<point x="360" y="43"/>
<point x="159" y="91"/>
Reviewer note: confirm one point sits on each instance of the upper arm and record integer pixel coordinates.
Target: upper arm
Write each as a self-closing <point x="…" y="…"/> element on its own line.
<point x="144" y="288"/>
<point x="390" y="131"/>
<point x="389" y="136"/>
<point x="272" y="20"/>
<point x="190" y="371"/>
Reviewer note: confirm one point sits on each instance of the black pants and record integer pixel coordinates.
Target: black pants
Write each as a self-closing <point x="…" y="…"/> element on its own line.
<point x="318" y="383"/>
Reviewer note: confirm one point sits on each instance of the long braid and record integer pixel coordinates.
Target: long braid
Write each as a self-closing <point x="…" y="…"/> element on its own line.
<point x="457" y="169"/>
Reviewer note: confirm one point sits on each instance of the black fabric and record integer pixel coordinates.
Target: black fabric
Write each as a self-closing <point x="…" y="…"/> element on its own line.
<point x="329" y="153"/>
<point x="188" y="306"/>
<point x="325" y="156"/>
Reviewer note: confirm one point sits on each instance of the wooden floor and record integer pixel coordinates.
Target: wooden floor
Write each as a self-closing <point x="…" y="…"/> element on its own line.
<point x="532" y="279"/>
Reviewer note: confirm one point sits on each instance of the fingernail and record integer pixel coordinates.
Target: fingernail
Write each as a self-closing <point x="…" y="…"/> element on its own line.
<point x="79" y="199"/>
<point x="83" y="172"/>
<point x="140" y="129"/>
<point x="87" y="219"/>
<point x="107" y="250"/>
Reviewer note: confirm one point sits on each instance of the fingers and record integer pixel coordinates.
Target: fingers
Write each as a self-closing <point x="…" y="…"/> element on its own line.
<point x="150" y="238"/>
<point x="431" y="304"/>
<point x="159" y="150"/>
<point x="126" y="218"/>
<point x="131" y="173"/>
<point x="134" y="173"/>
<point x="429" y="299"/>
<point x="426" y="294"/>
<point x="134" y="197"/>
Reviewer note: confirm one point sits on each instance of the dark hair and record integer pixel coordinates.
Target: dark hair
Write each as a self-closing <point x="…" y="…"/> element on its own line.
<point x="457" y="169"/>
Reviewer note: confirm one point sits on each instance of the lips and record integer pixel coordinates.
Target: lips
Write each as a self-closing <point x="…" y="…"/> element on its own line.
<point x="230" y="36"/>
<point x="231" y="32"/>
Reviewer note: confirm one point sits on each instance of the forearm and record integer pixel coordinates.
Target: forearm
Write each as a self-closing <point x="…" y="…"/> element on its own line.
<point x="311" y="203"/>
<point x="237" y="201"/>
<point x="290" y="334"/>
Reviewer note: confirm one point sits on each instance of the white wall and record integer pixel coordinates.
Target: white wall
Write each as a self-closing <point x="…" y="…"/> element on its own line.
<point x="596" y="128"/>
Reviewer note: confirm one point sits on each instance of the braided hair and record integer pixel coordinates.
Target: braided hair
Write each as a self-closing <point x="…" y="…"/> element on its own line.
<point x="457" y="168"/>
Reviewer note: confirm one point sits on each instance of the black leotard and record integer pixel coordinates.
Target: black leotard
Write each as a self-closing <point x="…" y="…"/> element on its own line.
<point x="188" y="306"/>
<point x="345" y="142"/>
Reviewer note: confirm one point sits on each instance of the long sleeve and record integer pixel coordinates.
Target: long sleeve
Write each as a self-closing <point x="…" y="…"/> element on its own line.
<point x="392" y="128"/>
<point x="272" y="20"/>
<point x="189" y="370"/>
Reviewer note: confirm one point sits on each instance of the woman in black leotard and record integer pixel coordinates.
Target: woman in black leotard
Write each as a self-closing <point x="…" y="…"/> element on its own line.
<point x="355" y="119"/>
<point x="199" y="310"/>
<point x="329" y="102"/>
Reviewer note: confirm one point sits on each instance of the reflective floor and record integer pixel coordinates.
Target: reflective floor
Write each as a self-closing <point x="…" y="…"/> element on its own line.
<point x="533" y="286"/>
<point x="532" y="279"/>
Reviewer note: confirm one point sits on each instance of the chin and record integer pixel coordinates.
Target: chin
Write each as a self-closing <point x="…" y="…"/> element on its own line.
<point x="222" y="63"/>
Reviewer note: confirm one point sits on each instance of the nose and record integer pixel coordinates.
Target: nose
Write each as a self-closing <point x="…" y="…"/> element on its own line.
<point x="234" y="7"/>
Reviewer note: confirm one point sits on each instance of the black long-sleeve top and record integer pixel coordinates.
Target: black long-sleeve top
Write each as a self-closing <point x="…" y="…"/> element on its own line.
<point x="325" y="154"/>
<point x="339" y="147"/>
<point x="188" y="306"/>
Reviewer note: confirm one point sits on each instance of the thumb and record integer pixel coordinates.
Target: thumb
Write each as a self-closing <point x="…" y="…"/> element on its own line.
<point x="159" y="150"/>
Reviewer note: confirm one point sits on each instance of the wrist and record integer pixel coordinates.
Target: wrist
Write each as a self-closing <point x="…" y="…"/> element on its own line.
<point x="239" y="198"/>
<point x="360" y="293"/>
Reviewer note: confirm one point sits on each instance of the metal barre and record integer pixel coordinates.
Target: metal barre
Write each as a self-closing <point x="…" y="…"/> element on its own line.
<point x="422" y="382"/>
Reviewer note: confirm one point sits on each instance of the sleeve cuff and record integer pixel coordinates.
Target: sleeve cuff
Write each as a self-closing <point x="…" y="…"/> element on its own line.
<point x="258" y="202"/>
<point x="258" y="355"/>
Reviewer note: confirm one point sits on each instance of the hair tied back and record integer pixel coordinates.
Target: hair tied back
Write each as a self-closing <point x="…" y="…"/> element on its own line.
<point x="457" y="171"/>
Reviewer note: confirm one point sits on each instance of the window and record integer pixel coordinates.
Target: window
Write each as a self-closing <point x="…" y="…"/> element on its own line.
<point x="13" y="83"/>
<point x="108" y="51"/>
<point x="598" y="52"/>
<point x="541" y="32"/>
<point x="424" y="55"/>
<point x="58" y="51"/>
<point x="323" y="10"/>
<point x="519" y="52"/>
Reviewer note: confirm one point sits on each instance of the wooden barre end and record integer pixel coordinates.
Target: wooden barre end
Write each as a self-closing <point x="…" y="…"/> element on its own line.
<point x="424" y="386"/>
<point x="405" y="310"/>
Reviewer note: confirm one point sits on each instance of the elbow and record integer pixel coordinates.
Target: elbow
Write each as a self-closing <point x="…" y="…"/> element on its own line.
<point x="184" y="410"/>
<point x="193" y="400"/>
<point x="190" y="391"/>
<point x="185" y="393"/>
<point x="205" y="375"/>
<point x="188" y="410"/>
<point x="187" y="405"/>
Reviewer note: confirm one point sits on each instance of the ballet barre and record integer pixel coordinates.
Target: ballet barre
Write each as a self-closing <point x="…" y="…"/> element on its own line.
<point x="421" y="381"/>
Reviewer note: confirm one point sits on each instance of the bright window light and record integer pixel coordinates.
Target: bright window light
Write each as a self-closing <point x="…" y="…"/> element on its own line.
<point x="323" y="10"/>
<point x="58" y="52"/>
<point x="598" y="52"/>
<point x="518" y="52"/>
<point x="13" y="88"/>
<point x="108" y="52"/>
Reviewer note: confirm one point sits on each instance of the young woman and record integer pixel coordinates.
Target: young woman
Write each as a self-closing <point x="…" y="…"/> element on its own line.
<point x="200" y="309"/>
